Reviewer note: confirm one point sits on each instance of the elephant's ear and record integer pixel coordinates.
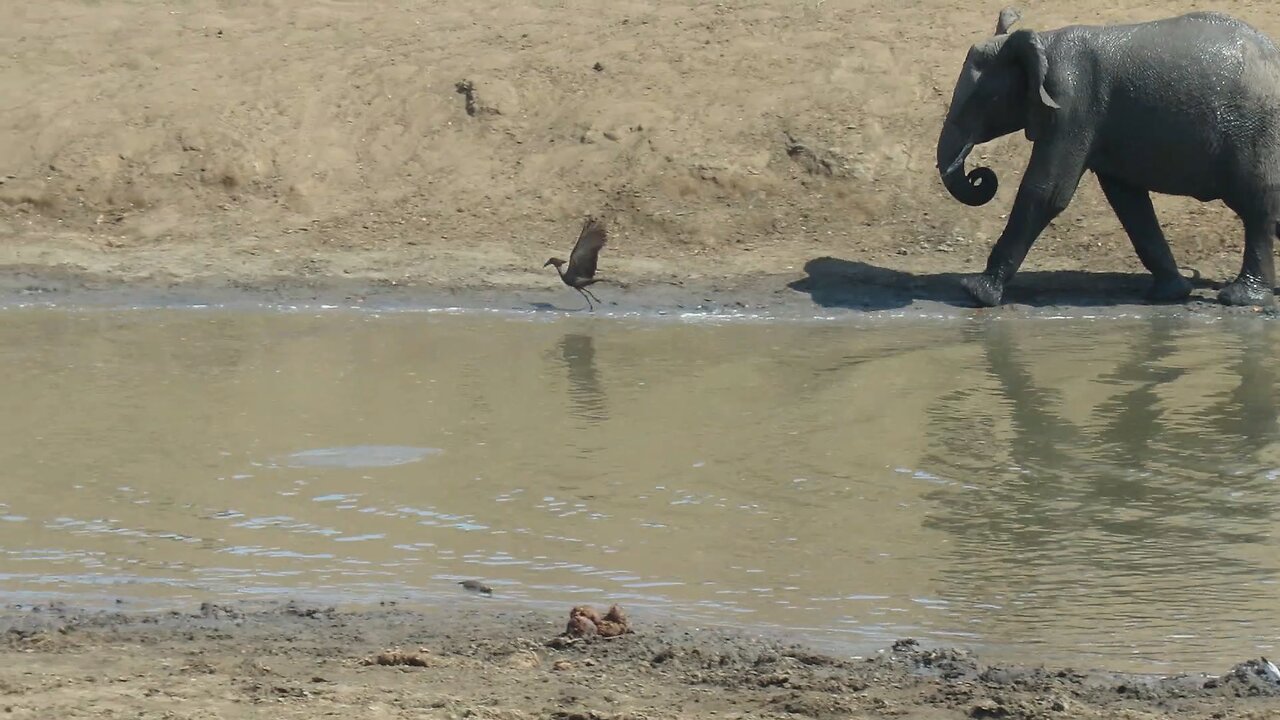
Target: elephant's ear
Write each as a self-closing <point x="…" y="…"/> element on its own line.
<point x="1008" y="18"/>
<point x="1028" y="48"/>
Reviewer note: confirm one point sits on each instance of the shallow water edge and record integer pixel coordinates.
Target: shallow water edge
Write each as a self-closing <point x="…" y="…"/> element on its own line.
<point x="842" y="294"/>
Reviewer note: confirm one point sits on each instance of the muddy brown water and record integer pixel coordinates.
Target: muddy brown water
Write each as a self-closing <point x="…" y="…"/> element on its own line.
<point x="1091" y="492"/>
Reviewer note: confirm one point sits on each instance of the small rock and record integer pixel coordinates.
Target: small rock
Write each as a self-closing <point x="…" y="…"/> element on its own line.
<point x="988" y="708"/>
<point x="476" y="586"/>
<point x="524" y="659"/>
<point x="488" y="97"/>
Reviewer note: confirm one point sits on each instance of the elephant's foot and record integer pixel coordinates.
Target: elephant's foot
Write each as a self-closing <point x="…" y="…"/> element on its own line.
<point x="1247" y="291"/>
<point x="983" y="289"/>
<point x="1168" y="289"/>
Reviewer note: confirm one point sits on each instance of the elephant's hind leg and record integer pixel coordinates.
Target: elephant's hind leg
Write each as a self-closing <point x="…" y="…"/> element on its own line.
<point x="1255" y="285"/>
<point x="1138" y="217"/>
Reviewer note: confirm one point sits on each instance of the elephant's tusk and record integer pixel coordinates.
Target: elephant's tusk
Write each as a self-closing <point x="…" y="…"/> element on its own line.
<point x="958" y="163"/>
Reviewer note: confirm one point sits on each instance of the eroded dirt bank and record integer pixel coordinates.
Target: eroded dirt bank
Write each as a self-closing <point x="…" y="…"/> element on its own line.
<point x="453" y="146"/>
<point x="483" y="659"/>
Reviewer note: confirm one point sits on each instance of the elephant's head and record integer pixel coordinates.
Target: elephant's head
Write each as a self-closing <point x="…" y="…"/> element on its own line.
<point x="1000" y="86"/>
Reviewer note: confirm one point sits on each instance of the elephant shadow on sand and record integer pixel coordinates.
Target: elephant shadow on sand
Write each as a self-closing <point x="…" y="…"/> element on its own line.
<point x="834" y="282"/>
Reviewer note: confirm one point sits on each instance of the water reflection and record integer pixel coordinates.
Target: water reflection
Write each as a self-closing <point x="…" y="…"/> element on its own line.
<point x="1136" y="418"/>
<point x="1248" y="414"/>
<point x="578" y="353"/>
<point x="1152" y="469"/>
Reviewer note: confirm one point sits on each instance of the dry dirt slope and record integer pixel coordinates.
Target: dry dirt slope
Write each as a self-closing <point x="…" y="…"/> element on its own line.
<point x="443" y="140"/>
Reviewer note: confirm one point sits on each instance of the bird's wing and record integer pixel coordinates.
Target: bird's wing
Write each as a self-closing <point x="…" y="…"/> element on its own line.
<point x="582" y="262"/>
<point x="1270" y="670"/>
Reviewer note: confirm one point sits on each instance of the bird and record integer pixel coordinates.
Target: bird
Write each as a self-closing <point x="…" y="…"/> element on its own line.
<point x="1270" y="670"/>
<point x="476" y="586"/>
<point x="582" y="260"/>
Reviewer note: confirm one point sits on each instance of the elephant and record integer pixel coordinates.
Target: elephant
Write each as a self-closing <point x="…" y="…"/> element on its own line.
<point x="1183" y="106"/>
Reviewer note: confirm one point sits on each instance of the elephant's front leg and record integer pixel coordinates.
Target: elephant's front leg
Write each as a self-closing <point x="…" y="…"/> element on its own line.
<point x="1052" y="176"/>
<point x="1138" y="217"/>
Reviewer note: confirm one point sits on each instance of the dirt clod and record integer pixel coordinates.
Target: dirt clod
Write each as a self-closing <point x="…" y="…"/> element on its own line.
<point x="418" y="658"/>
<point x="585" y="621"/>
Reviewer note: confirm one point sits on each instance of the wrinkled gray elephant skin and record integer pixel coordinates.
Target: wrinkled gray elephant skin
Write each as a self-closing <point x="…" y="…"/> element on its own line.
<point x="1188" y="106"/>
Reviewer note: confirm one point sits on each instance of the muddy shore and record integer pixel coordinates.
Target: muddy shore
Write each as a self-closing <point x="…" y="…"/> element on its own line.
<point x="824" y="289"/>
<point x="483" y="658"/>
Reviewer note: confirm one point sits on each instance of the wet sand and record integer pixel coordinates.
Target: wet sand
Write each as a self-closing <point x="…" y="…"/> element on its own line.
<point x="483" y="658"/>
<point x="825" y="288"/>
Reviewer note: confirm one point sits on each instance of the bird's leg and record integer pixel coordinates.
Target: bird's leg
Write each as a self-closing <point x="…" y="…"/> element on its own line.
<point x="585" y="295"/>
<point x="593" y="297"/>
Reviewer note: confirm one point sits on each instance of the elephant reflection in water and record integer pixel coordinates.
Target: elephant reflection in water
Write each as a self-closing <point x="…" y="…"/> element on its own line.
<point x="1046" y="487"/>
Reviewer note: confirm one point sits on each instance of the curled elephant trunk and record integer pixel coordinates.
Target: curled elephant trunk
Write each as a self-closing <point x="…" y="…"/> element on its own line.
<point x="976" y="188"/>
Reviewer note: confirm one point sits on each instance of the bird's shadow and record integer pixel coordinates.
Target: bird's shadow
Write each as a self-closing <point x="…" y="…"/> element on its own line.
<point x="833" y="282"/>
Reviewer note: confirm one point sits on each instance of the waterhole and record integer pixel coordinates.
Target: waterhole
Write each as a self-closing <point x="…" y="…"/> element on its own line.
<point x="1092" y="492"/>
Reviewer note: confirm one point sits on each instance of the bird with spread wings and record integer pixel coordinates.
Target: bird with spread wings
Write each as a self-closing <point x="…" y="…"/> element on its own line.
<point x="581" y="270"/>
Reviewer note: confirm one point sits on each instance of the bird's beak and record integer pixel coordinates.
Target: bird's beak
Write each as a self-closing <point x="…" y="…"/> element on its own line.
<point x="546" y="263"/>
